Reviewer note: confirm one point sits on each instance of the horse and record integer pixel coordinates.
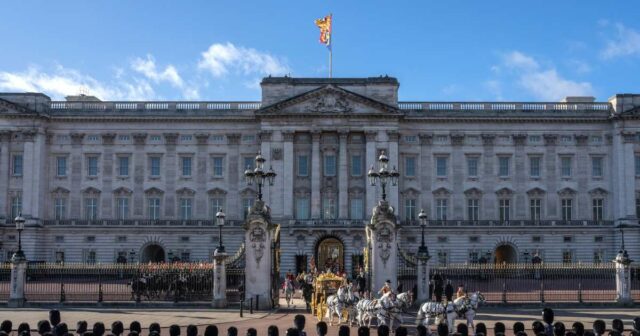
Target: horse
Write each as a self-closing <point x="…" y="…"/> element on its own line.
<point x="350" y="305"/>
<point x="431" y="310"/>
<point x="464" y="307"/>
<point x="336" y="303"/>
<point x="404" y="302"/>
<point x="307" y="293"/>
<point x="288" y="291"/>
<point x="385" y="307"/>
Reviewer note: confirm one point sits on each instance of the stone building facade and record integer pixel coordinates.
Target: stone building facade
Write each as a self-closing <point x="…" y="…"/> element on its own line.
<point x="143" y="180"/>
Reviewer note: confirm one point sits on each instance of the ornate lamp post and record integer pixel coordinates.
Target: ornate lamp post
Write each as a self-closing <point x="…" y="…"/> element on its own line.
<point x="383" y="175"/>
<point x="19" y="226"/>
<point x="220" y="221"/>
<point x="259" y="176"/>
<point x="423" y="251"/>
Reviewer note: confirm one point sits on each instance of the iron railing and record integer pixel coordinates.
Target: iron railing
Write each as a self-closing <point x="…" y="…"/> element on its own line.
<point x="510" y="223"/>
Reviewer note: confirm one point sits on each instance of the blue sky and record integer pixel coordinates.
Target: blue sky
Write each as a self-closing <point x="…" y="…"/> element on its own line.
<point x="218" y="50"/>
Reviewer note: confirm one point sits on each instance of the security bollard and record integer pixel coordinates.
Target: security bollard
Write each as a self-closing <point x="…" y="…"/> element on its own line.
<point x="241" y="307"/>
<point x="251" y="306"/>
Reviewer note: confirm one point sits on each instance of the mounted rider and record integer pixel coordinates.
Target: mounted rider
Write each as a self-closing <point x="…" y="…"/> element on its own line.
<point x="386" y="288"/>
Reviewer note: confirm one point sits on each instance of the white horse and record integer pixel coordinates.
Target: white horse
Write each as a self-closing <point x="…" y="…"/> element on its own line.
<point x="431" y="312"/>
<point x="404" y="302"/>
<point x="288" y="291"/>
<point x="464" y="307"/>
<point x="336" y="303"/>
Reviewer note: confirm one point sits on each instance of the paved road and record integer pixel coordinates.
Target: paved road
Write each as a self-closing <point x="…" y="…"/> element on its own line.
<point x="284" y="317"/>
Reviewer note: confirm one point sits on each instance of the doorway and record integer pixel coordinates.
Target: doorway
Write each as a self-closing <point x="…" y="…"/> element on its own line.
<point x="153" y="253"/>
<point x="505" y="254"/>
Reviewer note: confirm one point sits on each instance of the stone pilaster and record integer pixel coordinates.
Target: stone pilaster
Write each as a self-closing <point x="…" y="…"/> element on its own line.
<point x="5" y="139"/>
<point x="372" y="161"/>
<point x="458" y="164"/>
<point x="29" y="179"/>
<point x="170" y="174"/>
<point x="316" y="164"/>
<point x="288" y="173"/>
<point x="426" y="141"/>
<point x="628" y="210"/>
<point x="258" y="235"/>
<point x="394" y="156"/>
<point x="520" y="175"/>
<point x="550" y="163"/>
<point x="75" y="175"/>
<point x="488" y="183"/>
<point x="582" y="176"/>
<point x="138" y="163"/>
<point x="343" y="180"/>
<point x="234" y="169"/>
<point x="201" y="176"/>
<point x="382" y="242"/>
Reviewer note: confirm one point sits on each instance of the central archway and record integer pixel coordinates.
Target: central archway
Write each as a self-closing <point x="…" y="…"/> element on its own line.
<point x="330" y="254"/>
<point x="152" y="253"/>
<point x="505" y="254"/>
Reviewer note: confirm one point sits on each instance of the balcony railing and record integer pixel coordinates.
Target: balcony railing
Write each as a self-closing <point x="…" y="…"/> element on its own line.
<point x="138" y="222"/>
<point x="125" y="106"/>
<point x="511" y="223"/>
<point x="504" y="106"/>
<point x="328" y="222"/>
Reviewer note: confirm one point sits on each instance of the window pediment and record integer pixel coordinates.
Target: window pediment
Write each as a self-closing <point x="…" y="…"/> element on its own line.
<point x="122" y="191"/>
<point x="598" y="192"/>
<point x="154" y="191"/>
<point x="442" y="192"/>
<point x="473" y="192"/>
<point x="216" y="191"/>
<point x="505" y="191"/>
<point x="91" y="190"/>
<point x="185" y="191"/>
<point x="533" y="192"/>
<point x="60" y="191"/>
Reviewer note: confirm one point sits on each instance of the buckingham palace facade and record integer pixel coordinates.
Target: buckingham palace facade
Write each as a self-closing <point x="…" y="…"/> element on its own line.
<point x="500" y="181"/>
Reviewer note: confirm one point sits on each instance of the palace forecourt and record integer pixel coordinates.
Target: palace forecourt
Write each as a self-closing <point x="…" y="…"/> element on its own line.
<point x="504" y="182"/>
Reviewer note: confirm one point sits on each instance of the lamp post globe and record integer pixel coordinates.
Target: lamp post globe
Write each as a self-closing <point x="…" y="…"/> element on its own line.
<point x="220" y="216"/>
<point x="383" y="175"/>
<point x="423" y="251"/>
<point x="259" y="176"/>
<point x="19" y="221"/>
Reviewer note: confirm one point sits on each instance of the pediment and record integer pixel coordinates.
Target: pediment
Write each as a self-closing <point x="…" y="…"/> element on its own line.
<point x="329" y="100"/>
<point x="7" y="107"/>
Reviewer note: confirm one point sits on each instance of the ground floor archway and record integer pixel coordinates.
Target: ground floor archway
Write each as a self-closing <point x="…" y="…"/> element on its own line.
<point x="330" y="255"/>
<point x="152" y="253"/>
<point x="505" y="254"/>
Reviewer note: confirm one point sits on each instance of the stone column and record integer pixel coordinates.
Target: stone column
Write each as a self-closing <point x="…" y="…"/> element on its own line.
<point x="75" y="175"/>
<point x="315" y="175"/>
<point x="423" y="277"/>
<point x="425" y="171"/>
<point x="488" y="177"/>
<point x="520" y="176"/>
<point x="18" y="278"/>
<point x="371" y="160"/>
<point x="106" y="209"/>
<point x="343" y="179"/>
<point x="550" y="162"/>
<point x="29" y="164"/>
<point x="583" y="174"/>
<point x="458" y="165"/>
<point x="219" y="280"/>
<point x="258" y="265"/>
<point x="628" y="211"/>
<point x="623" y="277"/>
<point x="394" y="156"/>
<point x="382" y="242"/>
<point x="137" y="164"/>
<point x="5" y="138"/>
<point x="170" y="174"/>
<point x="233" y="170"/>
<point x="288" y="173"/>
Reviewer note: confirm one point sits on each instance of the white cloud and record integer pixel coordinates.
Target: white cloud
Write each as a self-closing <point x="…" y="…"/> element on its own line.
<point x="147" y="67"/>
<point x="221" y="59"/>
<point x="495" y="88"/>
<point x="626" y="42"/>
<point x="580" y="67"/>
<point x="63" y="82"/>
<point x="541" y="82"/>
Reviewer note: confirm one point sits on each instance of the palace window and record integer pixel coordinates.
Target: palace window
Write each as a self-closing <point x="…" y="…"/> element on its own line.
<point x="472" y="166"/>
<point x="357" y="208"/>
<point x="329" y="209"/>
<point x="442" y="258"/>
<point x="123" y="138"/>
<point x="247" y="204"/>
<point x="61" y="166"/>
<point x="504" y="210"/>
<point x="59" y="256"/>
<point x="218" y="166"/>
<point x="597" y="209"/>
<point x="598" y="256"/>
<point x="90" y="257"/>
<point x="17" y="165"/>
<point x="302" y="208"/>
<point x="303" y="165"/>
<point x="329" y="165"/>
<point x="356" y="165"/>
<point x="567" y="209"/>
<point x="565" y="166"/>
<point x="249" y="162"/>
<point x="598" y="239"/>
<point x="410" y="209"/>
<point x="122" y="208"/>
<point x="92" y="138"/>
<point x="473" y="209"/>
<point x="217" y="138"/>
<point x="123" y="166"/>
<point x="535" y="209"/>
<point x="596" y="166"/>
<point x="91" y="208"/>
<point x="185" y="208"/>
<point x="442" y="205"/>
<point x="567" y="239"/>
<point x="155" y="138"/>
<point x="60" y="207"/>
<point x="92" y="166"/>
<point x="410" y="166"/>
<point x="503" y="166"/>
<point x="536" y="239"/>
<point x="186" y="166"/>
<point x="216" y="203"/>
<point x="154" y="208"/>
<point x="534" y="166"/>
<point x="473" y="257"/>
<point x="154" y="162"/>
<point x="59" y="239"/>
<point x="16" y="206"/>
<point x="186" y="138"/>
<point x="441" y="166"/>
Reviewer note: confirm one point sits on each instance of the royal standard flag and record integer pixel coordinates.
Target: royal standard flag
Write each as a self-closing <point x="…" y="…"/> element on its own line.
<point x="325" y="30"/>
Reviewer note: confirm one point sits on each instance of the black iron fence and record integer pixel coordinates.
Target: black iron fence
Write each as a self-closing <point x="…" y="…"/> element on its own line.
<point x="176" y="282"/>
<point x="529" y="282"/>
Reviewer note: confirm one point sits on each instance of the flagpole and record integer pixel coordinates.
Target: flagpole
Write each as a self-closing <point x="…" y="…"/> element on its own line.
<point x="331" y="48"/>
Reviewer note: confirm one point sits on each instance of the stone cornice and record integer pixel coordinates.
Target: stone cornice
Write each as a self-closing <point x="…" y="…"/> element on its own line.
<point x="29" y="135"/>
